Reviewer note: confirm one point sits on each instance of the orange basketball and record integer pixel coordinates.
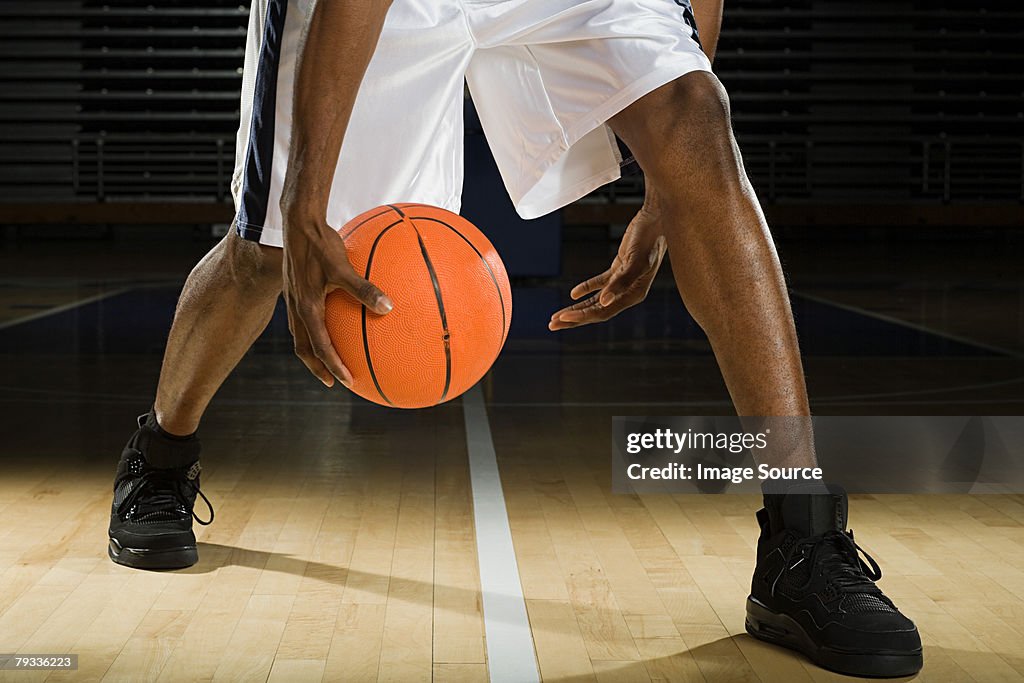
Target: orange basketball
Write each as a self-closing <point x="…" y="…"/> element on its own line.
<point x="453" y="306"/>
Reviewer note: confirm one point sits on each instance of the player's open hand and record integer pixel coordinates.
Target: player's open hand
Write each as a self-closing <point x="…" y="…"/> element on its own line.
<point x="316" y="263"/>
<point x="624" y="284"/>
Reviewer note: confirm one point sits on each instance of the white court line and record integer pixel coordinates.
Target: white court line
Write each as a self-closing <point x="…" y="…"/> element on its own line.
<point x="510" y="654"/>
<point x="914" y="326"/>
<point x="63" y="308"/>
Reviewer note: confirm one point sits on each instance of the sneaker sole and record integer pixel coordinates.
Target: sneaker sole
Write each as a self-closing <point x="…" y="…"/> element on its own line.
<point x="781" y="629"/>
<point x="145" y="558"/>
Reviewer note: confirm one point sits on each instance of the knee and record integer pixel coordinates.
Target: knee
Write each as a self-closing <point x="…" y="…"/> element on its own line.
<point x="698" y="119"/>
<point x="700" y="100"/>
<point x="691" y="137"/>
<point x="690" y="109"/>
<point x="251" y="264"/>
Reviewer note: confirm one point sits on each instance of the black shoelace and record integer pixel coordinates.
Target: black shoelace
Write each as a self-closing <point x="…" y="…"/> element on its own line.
<point x="841" y="560"/>
<point x="165" y="490"/>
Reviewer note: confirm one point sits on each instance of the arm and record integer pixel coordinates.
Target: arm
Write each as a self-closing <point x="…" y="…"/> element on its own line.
<point x="642" y="249"/>
<point x="342" y="36"/>
<point x="709" y="23"/>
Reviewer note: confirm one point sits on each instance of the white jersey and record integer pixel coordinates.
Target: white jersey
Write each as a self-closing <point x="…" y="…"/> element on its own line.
<point x="545" y="76"/>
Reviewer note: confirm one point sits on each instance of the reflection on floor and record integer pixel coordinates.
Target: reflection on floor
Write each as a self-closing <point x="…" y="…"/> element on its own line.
<point x="344" y="549"/>
<point x="344" y="543"/>
<point x="653" y="356"/>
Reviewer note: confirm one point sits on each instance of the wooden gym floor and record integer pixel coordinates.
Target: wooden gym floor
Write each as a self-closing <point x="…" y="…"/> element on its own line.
<point x="345" y="547"/>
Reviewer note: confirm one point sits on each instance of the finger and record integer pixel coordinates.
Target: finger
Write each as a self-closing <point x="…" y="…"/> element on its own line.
<point x="579" y="305"/>
<point x="364" y="291"/>
<point x="624" y="280"/>
<point x="582" y="312"/>
<point x="594" y="312"/>
<point x="590" y="316"/>
<point x="623" y="283"/>
<point x="637" y="275"/>
<point x="592" y="285"/>
<point x="304" y="350"/>
<point x="312" y="318"/>
<point x="305" y="353"/>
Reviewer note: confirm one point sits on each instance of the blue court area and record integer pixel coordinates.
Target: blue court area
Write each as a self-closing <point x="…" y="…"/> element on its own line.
<point x="137" y="322"/>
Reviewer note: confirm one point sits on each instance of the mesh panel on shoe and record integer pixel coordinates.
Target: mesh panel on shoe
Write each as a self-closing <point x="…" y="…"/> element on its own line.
<point x="122" y="491"/>
<point x="793" y="580"/>
<point x="856" y="603"/>
<point x="160" y="502"/>
<point x="787" y="542"/>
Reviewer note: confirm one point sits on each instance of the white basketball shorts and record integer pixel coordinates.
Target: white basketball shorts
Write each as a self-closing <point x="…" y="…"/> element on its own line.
<point x="545" y="76"/>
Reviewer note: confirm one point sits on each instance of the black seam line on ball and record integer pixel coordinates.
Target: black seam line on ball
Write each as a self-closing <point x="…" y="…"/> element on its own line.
<point x="361" y="223"/>
<point x="366" y="342"/>
<point x="444" y="317"/>
<point x="487" y="265"/>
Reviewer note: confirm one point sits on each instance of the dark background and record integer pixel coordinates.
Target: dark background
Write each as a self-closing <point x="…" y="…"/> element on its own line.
<point x="883" y="136"/>
<point x="909" y="112"/>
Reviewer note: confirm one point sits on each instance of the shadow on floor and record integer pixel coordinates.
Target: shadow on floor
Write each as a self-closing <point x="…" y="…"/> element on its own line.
<point x="725" y="659"/>
<point x="722" y="659"/>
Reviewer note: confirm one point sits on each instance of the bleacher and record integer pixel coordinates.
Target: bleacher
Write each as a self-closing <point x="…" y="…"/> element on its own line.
<point x="880" y="102"/>
<point x="119" y="100"/>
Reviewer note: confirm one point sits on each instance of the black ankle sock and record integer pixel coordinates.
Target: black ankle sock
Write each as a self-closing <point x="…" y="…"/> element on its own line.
<point x="161" y="448"/>
<point x="150" y="421"/>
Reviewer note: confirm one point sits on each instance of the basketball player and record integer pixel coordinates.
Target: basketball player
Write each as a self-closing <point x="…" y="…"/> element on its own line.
<point x="371" y="114"/>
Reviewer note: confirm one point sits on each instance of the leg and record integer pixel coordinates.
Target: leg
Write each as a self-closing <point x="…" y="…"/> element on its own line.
<point x="722" y="254"/>
<point x="227" y="302"/>
<point x="727" y="271"/>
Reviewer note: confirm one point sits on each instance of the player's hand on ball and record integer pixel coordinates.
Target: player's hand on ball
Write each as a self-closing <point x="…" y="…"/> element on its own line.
<point x="624" y="284"/>
<point x="315" y="263"/>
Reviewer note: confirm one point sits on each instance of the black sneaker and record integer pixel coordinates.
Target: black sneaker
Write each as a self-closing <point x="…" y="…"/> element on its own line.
<point x="813" y="593"/>
<point x="154" y="493"/>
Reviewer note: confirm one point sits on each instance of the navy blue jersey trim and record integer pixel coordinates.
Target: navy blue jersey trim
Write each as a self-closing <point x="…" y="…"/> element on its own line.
<point x="628" y="165"/>
<point x="255" y="197"/>
<point x="247" y="231"/>
<point x="690" y="20"/>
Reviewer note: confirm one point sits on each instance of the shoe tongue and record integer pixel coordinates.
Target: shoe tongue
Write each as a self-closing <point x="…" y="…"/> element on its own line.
<point x="163" y="455"/>
<point x="813" y="510"/>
